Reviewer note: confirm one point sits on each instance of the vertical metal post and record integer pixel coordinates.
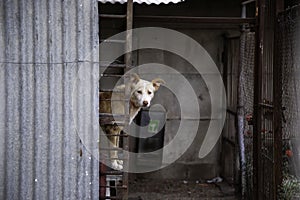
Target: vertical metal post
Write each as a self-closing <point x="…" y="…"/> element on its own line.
<point x="277" y="99"/>
<point x="240" y="116"/>
<point x="240" y="126"/>
<point x="244" y="11"/>
<point x="259" y="46"/>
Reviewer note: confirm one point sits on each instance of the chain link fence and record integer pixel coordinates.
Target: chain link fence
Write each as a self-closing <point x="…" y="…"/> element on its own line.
<point x="288" y="39"/>
<point x="289" y="57"/>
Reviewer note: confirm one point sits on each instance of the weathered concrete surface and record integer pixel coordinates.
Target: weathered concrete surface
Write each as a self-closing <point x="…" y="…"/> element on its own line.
<point x="189" y="163"/>
<point x="146" y="189"/>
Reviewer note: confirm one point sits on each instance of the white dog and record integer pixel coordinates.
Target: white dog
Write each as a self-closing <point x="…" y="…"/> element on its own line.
<point x="141" y="94"/>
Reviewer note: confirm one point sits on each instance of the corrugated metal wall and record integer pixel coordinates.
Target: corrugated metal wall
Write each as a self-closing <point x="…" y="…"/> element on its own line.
<point x="49" y="94"/>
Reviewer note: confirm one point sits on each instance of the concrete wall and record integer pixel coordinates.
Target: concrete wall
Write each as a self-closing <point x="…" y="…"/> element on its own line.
<point x="188" y="166"/>
<point x="211" y="37"/>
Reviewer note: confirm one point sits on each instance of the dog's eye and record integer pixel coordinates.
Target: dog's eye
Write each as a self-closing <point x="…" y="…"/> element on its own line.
<point x="149" y="92"/>
<point x="139" y="91"/>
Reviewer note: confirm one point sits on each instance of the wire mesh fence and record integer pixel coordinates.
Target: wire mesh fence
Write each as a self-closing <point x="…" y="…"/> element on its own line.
<point x="289" y="61"/>
<point x="288" y="40"/>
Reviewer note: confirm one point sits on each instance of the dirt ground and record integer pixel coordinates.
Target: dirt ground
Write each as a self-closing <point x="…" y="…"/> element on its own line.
<point x="179" y="190"/>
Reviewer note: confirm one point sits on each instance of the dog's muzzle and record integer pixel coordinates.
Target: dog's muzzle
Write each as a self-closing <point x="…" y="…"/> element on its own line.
<point x="145" y="103"/>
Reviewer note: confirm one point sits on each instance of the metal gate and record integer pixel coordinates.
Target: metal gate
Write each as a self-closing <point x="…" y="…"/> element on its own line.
<point x="267" y="138"/>
<point x="263" y="155"/>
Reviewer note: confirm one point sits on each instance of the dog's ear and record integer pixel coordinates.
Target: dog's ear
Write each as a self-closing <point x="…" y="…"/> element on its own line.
<point x="134" y="78"/>
<point x="157" y="82"/>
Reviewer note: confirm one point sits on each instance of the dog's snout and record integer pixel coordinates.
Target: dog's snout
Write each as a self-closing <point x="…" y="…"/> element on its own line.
<point x="145" y="103"/>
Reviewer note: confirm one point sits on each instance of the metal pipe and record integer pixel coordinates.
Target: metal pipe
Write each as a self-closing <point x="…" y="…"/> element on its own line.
<point x="240" y="119"/>
<point x="240" y="109"/>
<point x="248" y="2"/>
<point x="244" y="11"/>
<point x="211" y="20"/>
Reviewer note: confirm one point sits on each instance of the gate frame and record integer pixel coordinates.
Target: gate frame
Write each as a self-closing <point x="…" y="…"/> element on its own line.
<point x="277" y="104"/>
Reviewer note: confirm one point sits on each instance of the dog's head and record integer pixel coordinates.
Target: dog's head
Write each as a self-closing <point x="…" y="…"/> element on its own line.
<point x="142" y="91"/>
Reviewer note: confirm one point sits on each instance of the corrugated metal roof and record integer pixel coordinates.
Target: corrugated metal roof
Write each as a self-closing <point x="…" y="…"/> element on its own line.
<point x="157" y="2"/>
<point x="45" y="100"/>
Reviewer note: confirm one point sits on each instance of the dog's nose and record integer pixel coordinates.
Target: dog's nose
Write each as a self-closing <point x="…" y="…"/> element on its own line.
<point x="145" y="103"/>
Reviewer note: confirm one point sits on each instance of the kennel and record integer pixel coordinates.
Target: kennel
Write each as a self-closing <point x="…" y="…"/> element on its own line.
<point x="150" y="139"/>
<point x="224" y="31"/>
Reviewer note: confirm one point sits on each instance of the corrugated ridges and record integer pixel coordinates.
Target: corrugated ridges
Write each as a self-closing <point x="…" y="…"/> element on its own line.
<point x="44" y="44"/>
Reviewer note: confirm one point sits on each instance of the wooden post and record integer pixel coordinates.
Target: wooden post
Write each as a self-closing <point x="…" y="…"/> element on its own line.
<point x="128" y="63"/>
